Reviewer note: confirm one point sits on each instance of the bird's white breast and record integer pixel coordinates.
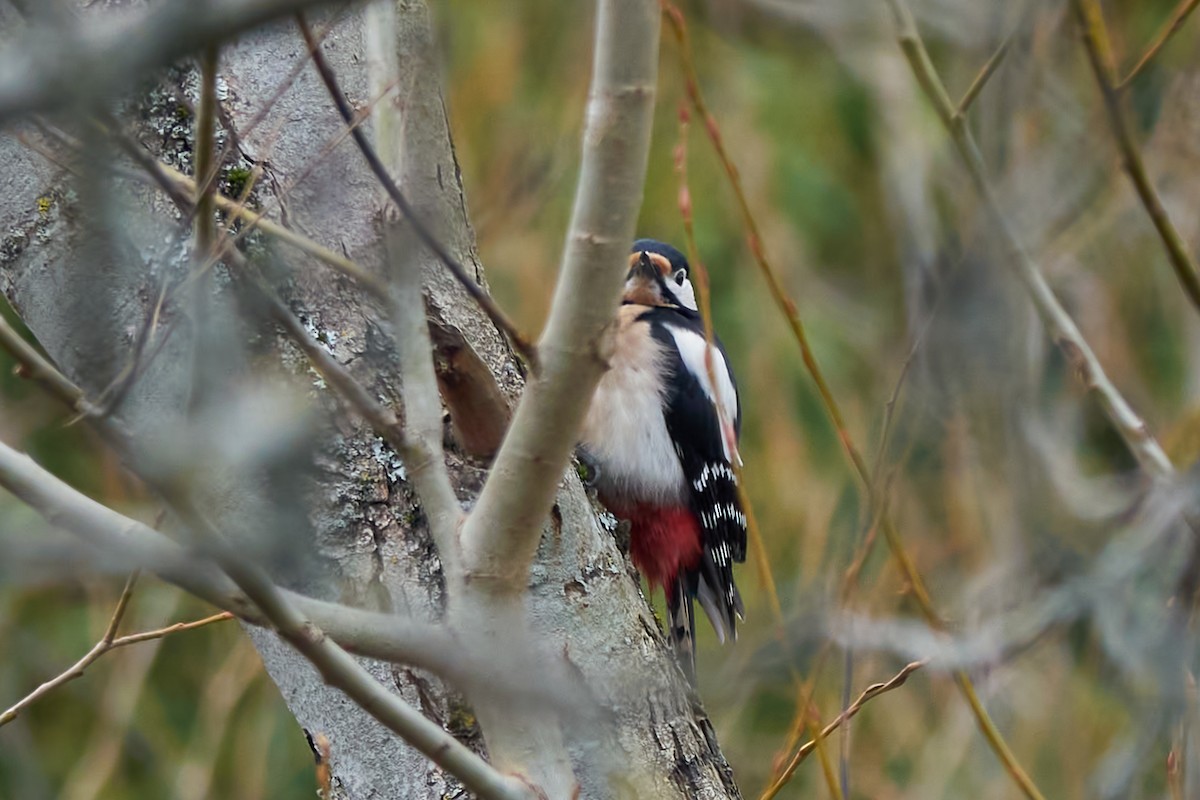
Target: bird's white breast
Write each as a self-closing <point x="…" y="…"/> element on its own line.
<point x="625" y="430"/>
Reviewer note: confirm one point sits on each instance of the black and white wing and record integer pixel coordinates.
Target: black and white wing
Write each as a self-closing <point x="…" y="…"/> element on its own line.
<point x="706" y="449"/>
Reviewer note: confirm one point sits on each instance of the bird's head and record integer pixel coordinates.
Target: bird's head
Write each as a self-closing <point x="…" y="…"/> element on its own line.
<point x="659" y="275"/>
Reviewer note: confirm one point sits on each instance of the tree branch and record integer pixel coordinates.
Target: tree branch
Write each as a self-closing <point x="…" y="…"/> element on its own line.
<point x="33" y="365"/>
<point x="425" y="454"/>
<point x="1095" y="40"/>
<point x="1132" y="429"/>
<point x="88" y="60"/>
<point x="106" y="644"/>
<point x="340" y="670"/>
<point x="477" y="293"/>
<point x="383" y="636"/>
<point x="501" y="535"/>
<point x="1178" y="17"/>
<point x="871" y="692"/>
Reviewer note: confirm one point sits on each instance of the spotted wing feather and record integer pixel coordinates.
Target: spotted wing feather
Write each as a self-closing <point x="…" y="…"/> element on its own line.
<point x="695" y="429"/>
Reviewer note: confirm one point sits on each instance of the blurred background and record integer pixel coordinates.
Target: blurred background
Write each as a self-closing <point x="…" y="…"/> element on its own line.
<point x="1015" y="497"/>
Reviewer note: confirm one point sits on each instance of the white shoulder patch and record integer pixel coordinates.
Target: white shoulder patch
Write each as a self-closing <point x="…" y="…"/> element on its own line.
<point x="691" y="347"/>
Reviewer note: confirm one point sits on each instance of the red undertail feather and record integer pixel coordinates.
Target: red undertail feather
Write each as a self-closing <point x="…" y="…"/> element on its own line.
<point x="663" y="542"/>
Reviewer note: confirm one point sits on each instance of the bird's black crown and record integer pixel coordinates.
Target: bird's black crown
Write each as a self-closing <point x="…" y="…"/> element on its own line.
<point x="678" y="260"/>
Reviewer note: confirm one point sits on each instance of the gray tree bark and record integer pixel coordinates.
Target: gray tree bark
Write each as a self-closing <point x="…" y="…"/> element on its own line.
<point x="83" y="261"/>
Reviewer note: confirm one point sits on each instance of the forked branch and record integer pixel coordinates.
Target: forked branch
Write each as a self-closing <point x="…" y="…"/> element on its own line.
<point x="1100" y="56"/>
<point x="477" y="293"/>
<point x="501" y="535"/>
<point x="109" y="642"/>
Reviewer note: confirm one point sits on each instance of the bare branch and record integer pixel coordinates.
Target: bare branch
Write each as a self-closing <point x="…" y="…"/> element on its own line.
<point x="205" y="133"/>
<point x="87" y="60"/>
<point x="424" y="454"/>
<point x="1095" y="39"/>
<point x="1132" y="429"/>
<point x="34" y="366"/>
<point x="383" y="636"/>
<point x="477" y="293"/>
<point x="501" y="535"/>
<point x="340" y="670"/>
<point x="1176" y="20"/>
<point x="871" y="692"/>
<point x="105" y="645"/>
<point x="985" y="74"/>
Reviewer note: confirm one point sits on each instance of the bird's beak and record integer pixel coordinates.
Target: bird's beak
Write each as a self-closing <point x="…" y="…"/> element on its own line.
<point x="643" y="268"/>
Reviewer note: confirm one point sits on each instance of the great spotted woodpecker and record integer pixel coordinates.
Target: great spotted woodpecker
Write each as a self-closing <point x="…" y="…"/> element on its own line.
<point x="663" y="439"/>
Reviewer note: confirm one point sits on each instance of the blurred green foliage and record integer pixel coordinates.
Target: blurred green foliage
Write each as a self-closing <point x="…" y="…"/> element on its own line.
<point x="805" y="123"/>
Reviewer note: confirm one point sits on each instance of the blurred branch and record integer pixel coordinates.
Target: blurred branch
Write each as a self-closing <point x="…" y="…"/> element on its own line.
<point x="205" y="133"/>
<point x="423" y="460"/>
<point x="340" y="670"/>
<point x="871" y="692"/>
<point x="501" y="535"/>
<point x="1100" y="56"/>
<point x="1132" y="429"/>
<point x="399" y="134"/>
<point x="477" y="293"/>
<point x="984" y="75"/>
<point x="33" y="365"/>
<point x="384" y="636"/>
<point x="181" y="189"/>
<point x="423" y="456"/>
<point x="1176" y="20"/>
<point x="107" y="644"/>
<point x="295" y="618"/>
<point x="89" y="59"/>
<point x="916" y="584"/>
<point x="367" y="633"/>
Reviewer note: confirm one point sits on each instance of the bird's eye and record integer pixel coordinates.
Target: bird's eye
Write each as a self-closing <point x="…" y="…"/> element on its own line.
<point x="680" y="277"/>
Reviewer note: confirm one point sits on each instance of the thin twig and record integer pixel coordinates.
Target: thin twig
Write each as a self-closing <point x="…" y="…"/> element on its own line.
<point x="108" y="642"/>
<point x="1100" y="56"/>
<point x="33" y="365"/>
<point x="1176" y="20"/>
<point x="871" y="692"/>
<point x="205" y="138"/>
<point x="178" y="627"/>
<point x="477" y="293"/>
<point x="985" y="74"/>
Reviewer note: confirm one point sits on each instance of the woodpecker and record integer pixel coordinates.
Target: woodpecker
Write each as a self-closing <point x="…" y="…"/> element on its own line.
<point x="663" y="439"/>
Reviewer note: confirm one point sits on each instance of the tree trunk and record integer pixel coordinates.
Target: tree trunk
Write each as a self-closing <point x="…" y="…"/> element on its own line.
<point x="84" y="261"/>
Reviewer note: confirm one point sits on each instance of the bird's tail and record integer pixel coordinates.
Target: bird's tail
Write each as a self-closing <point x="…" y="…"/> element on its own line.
<point x="682" y="631"/>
